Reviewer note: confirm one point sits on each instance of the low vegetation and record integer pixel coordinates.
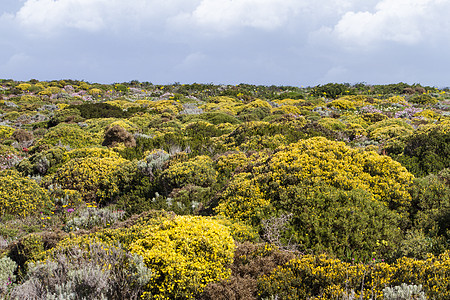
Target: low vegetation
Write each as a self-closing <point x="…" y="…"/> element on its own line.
<point x="142" y="191"/>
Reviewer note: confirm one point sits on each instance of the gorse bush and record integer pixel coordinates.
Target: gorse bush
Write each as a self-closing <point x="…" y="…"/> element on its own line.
<point x="198" y="171"/>
<point x="68" y="135"/>
<point x="185" y="253"/>
<point x="324" y="277"/>
<point x="189" y="252"/>
<point x="21" y="196"/>
<point x="87" y="175"/>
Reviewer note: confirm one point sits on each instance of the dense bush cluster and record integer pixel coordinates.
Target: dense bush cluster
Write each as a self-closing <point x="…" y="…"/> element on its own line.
<point x="143" y="191"/>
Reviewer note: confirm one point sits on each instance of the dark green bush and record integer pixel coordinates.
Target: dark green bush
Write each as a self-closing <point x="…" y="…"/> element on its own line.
<point x="100" y="110"/>
<point x="423" y="99"/>
<point x="430" y="210"/>
<point x="427" y="151"/>
<point x="332" y="90"/>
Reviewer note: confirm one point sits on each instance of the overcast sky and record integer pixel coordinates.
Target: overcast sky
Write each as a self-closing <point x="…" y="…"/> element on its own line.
<point x="280" y="42"/>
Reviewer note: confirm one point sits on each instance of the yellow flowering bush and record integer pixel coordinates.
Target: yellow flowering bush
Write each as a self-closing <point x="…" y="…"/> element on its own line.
<point x="23" y="86"/>
<point x="389" y="128"/>
<point x="123" y="104"/>
<point x="325" y="277"/>
<point x="165" y="105"/>
<point x="6" y="132"/>
<point x="342" y="104"/>
<point x="288" y="109"/>
<point x="223" y="104"/>
<point x="89" y="152"/>
<point x="318" y="160"/>
<point x="50" y="90"/>
<point x="289" y="102"/>
<point x="21" y="196"/>
<point x="69" y="135"/>
<point x="229" y="162"/>
<point x="198" y="171"/>
<point x="243" y="200"/>
<point x="332" y="124"/>
<point x="87" y="174"/>
<point x="185" y="253"/>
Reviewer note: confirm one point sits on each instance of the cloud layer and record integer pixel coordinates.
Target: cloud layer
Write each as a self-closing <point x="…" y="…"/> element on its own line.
<point x="228" y="41"/>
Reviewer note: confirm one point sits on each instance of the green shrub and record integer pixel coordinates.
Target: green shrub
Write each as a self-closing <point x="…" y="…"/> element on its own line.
<point x="331" y="90"/>
<point x="67" y="115"/>
<point x="427" y="151"/>
<point x="42" y="162"/>
<point x="99" y="110"/>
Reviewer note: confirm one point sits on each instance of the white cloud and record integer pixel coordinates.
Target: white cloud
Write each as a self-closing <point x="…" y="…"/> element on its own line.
<point x="54" y="16"/>
<point x="261" y="14"/>
<point x="401" y="21"/>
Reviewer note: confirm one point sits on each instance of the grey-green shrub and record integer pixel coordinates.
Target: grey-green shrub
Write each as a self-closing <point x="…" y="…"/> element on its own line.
<point x="7" y="277"/>
<point x="404" y="292"/>
<point x="99" y="271"/>
<point x="91" y="216"/>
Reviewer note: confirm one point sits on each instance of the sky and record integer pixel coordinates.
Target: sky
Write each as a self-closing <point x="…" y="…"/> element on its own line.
<point x="264" y="42"/>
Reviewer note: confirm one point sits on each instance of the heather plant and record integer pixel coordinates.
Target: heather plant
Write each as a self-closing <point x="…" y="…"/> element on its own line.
<point x="43" y="162"/>
<point x="21" y="196"/>
<point x="117" y="134"/>
<point x="251" y="261"/>
<point x="408" y="113"/>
